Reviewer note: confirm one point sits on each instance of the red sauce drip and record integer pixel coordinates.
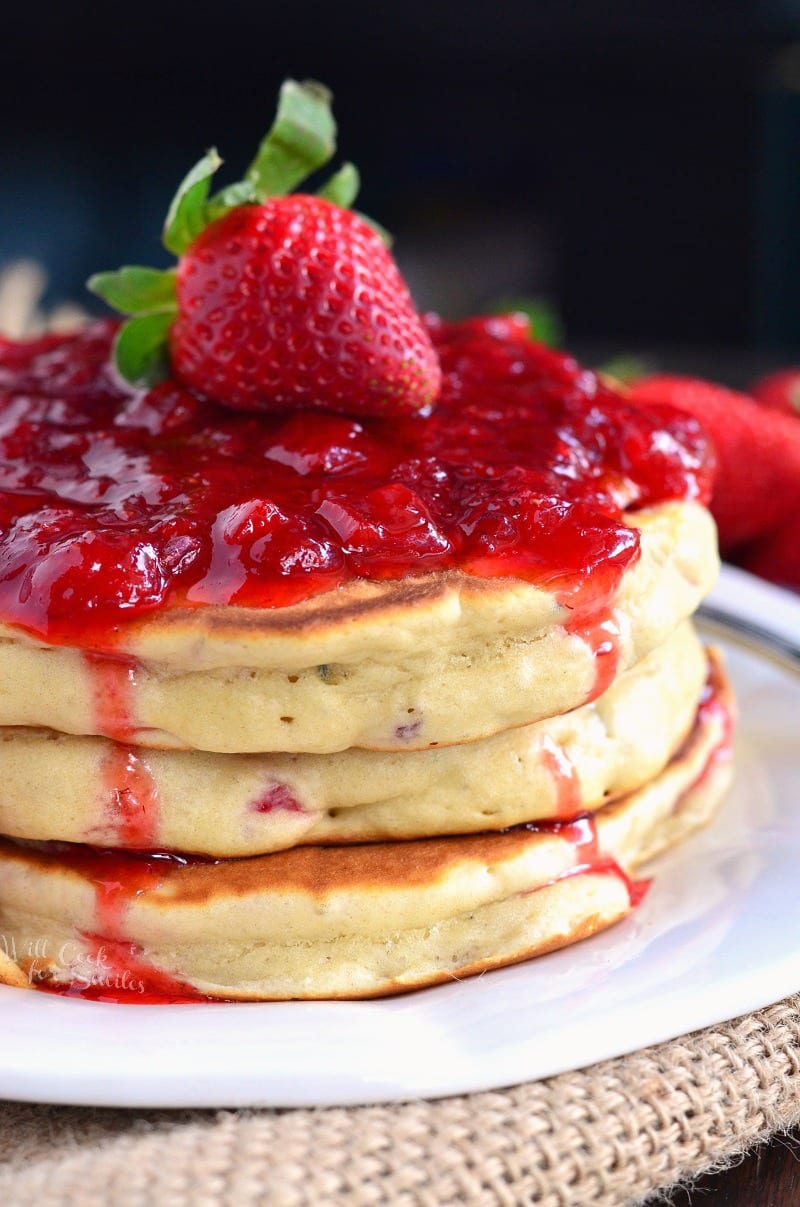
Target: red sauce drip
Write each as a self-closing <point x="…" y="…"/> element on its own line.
<point x="131" y="794"/>
<point x="601" y="634"/>
<point x="714" y="705"/>
<point x="638" y="890"/>
<point x="116" y="503"/>
<point x="581" y="834"/>
<point x="115" y="968"/>
<point x="124" y="978"/>
<point x="564" y="776"/>
<point x="118" y="878"/>
<point x="112" y="681"/>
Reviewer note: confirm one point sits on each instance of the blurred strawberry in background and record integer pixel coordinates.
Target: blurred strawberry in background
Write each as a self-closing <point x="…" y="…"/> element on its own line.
<point x="776" y="556"/>
<point x="756" y="497"/>
<point x="780" y="390"/>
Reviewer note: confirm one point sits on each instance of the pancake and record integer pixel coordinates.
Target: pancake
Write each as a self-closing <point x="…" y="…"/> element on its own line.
<point x="357" y="921"/>
<point x="395" y="666"/>
<point x="91" y="790"/>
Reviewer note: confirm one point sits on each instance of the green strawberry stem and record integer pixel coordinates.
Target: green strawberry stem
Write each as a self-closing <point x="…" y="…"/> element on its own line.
<point x="301" y="140"/>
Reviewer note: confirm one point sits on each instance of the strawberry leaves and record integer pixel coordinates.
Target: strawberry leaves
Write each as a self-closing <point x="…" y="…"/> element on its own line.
<point x="140" y="350"/>
<point x="187" y="215"/>
<point x="301" y="140"/>
<point x="342" y="187"/>
<point x="136" y="290"/>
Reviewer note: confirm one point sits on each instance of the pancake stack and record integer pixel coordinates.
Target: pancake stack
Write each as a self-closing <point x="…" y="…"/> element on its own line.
<point x="402" y="777"/>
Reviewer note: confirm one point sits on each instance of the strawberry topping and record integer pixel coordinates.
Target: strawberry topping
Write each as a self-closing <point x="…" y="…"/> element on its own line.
<point x="117" y="502"/>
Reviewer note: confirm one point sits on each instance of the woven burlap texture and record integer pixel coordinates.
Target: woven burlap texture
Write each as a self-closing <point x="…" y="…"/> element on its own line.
<point x="606" y="1136"/>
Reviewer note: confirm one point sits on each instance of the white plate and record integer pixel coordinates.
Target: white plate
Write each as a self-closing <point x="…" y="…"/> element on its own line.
<point x="716" y="936"/>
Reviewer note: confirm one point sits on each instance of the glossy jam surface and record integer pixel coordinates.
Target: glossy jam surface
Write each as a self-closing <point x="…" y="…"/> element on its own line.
<point x="115" y="503"/>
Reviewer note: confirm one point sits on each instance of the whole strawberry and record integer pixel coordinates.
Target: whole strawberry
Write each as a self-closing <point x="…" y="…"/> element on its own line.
<point x="758" y="451"/>
<point x="297" y="302"/>
<point x="780" y="390"/>
<point x="280" y="300"/>
<point x="776" y="556"/>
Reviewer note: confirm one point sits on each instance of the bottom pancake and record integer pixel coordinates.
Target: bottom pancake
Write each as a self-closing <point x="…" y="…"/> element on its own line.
<point x="353" y="921"/>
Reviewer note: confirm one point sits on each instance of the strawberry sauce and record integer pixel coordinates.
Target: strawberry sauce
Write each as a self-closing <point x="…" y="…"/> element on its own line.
<point x="112" y="968"/>
<point x="112" y="680"/>
<point x="126" y="980"/>
<point x="131" y="795"/>
<point x="601" y="634"/>
<point x="115" y="503"/>
<point x="564" y="776"/>
<point x="715" y="707"/>
<point x="581" y="834"/>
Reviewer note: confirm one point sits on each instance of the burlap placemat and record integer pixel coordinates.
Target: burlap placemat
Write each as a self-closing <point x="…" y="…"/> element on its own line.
<point x="606" y="1136"/>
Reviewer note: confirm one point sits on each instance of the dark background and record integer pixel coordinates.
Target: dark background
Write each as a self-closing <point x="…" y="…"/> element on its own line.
<point x="635" y="161"/>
